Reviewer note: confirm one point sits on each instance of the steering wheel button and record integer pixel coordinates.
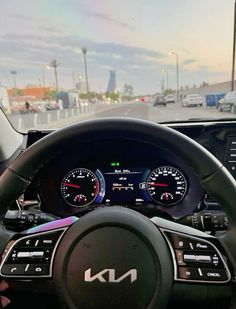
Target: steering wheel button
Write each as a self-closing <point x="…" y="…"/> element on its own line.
<point x="179" y="242"/>
<point x="214" y="275"/>
<point x="37" y="254"/>
<point x="48" y="240"/>
<point x="201" y="245"/>
<point x="188" y="273"/>
<point x="37" y="269"/>
<point x="27" y="242"/>
<point x="190" y="258"/>
<point x="179" y="257"/>
<point x="24" y="255"/>
<point x="204" y="259"/>
<point x="13" y="269"/>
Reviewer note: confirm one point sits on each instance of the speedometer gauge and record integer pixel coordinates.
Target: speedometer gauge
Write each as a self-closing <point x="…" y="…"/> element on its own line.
<point x="166" y="185"/>
<point x="80" y="187"/>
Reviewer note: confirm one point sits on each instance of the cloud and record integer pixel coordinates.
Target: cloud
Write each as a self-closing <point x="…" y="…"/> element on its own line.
<point x="28" y="54"/>
<point x="105" y="17"/>
<point x="204" y="68"/>
<point x="26" y="17"/>
<point x="18" y="44"/>
<point x="50" y="30"/>
<point x="189" y="61"/>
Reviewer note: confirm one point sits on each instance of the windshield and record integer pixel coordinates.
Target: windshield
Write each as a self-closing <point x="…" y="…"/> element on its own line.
<point x="64" y="61"/>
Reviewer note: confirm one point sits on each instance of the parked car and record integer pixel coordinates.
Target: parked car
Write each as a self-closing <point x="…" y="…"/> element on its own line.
<point x="170" y="98"/>
<point x="192" y="100"/>
<point x="228" y="102"/>
<point x="51" y="106"/>
<point x="159" y="100"/>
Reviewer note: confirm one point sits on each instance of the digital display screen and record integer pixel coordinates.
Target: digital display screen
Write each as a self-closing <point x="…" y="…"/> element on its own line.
<point x="124" y="184"/>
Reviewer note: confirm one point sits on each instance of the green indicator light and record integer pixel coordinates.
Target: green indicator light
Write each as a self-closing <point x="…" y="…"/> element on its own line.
<point x="115" y="163"/>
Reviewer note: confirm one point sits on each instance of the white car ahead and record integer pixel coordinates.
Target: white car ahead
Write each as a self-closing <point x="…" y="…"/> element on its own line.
<point x="192" y="100"/>
<point x="170" y="98"/>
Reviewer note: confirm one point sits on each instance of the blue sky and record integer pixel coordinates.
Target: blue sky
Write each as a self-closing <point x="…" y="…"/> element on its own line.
<point x="132" y="37"/>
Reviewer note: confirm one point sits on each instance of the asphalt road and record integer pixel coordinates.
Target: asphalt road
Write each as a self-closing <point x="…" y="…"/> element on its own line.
<point x="140" y="110"/>
<point x="171" y="112"/>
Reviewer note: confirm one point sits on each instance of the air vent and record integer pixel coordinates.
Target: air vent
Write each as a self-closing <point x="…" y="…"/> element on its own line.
<point x="230" y="155"/>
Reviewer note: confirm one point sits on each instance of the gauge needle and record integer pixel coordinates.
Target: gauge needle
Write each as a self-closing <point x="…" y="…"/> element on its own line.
<point x="158" y="184"/>
<point x="71" y="185"/>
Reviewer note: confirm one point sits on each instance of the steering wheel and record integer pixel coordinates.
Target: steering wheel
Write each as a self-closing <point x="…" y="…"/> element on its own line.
<point x="115" y="257"/>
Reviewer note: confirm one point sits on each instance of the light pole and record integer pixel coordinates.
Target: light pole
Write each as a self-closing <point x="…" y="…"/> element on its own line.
<point x="13" y="73"/>
<point x="54" y="64"/>
<point x="177" y="73"/>
<point x="80" y="85"/>
<point x="43" y="82"/>
<point x="84" y="51"/>
<point x="73" y="81"/>
<point x="167" y="77"/>
<point x="234" y="43"/>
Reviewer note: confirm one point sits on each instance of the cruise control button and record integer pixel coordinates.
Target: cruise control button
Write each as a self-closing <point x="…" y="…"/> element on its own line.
<point x="179" y="242"/>
<point x="37" y="269"/>
<point x="179" y="257"/>
<point x="204" y="259"/>
<point x="214" y="275"/>
<point x="188" y="273"/>
<point x="190" y="258"/>
<point x="13" y="269"/>
<point x="216" y="261"/>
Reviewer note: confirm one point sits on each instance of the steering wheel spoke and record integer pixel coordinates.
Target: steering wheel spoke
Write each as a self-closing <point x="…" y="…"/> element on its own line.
<point x="197" y="257"/>
<point x="31" y="253"/>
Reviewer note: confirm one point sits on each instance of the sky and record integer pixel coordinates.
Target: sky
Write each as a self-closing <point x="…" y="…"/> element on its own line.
<point x="131" y="37"/>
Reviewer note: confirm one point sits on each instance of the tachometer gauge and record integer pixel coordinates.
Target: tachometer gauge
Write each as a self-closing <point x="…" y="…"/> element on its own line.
<point x="166" y="185"/>
<point x="80" y="187"/>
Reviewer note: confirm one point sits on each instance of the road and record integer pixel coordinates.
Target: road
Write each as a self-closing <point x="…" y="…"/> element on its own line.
<point x="171" y="112"/>
<point x="140" y="110"/>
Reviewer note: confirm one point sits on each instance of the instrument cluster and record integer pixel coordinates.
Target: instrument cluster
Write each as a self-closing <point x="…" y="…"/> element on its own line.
<point x="165" y="185"/>
<point x="129" y="174"/>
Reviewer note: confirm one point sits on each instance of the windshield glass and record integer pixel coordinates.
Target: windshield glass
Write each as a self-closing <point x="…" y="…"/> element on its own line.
<point x="64" y="61"/>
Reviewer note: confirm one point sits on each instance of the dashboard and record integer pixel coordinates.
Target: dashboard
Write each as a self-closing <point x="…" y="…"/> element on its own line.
<point x="132" y="174"/>
<point x="150" y="179"/>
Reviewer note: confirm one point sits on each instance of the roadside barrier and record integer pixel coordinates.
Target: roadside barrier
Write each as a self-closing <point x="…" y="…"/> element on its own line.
<point x="23" y="122"/>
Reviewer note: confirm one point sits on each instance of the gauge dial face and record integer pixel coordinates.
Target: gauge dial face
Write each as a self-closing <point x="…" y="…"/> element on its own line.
<point x="80" y="187"/>
<point x="166" y="185"/>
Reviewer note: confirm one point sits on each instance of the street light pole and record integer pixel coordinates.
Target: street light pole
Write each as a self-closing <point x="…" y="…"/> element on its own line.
<point x="43" y="81"/>
<point x="234" y="43"/>
<point x="167" y="78"/>
<point x="54" y="64"/>
<point x="177" y="73"/>
<point x="73" y="81"/>
<point x="84" y="51"/>
<point x="13" y="73"/>
<point x="80" y="86"/>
